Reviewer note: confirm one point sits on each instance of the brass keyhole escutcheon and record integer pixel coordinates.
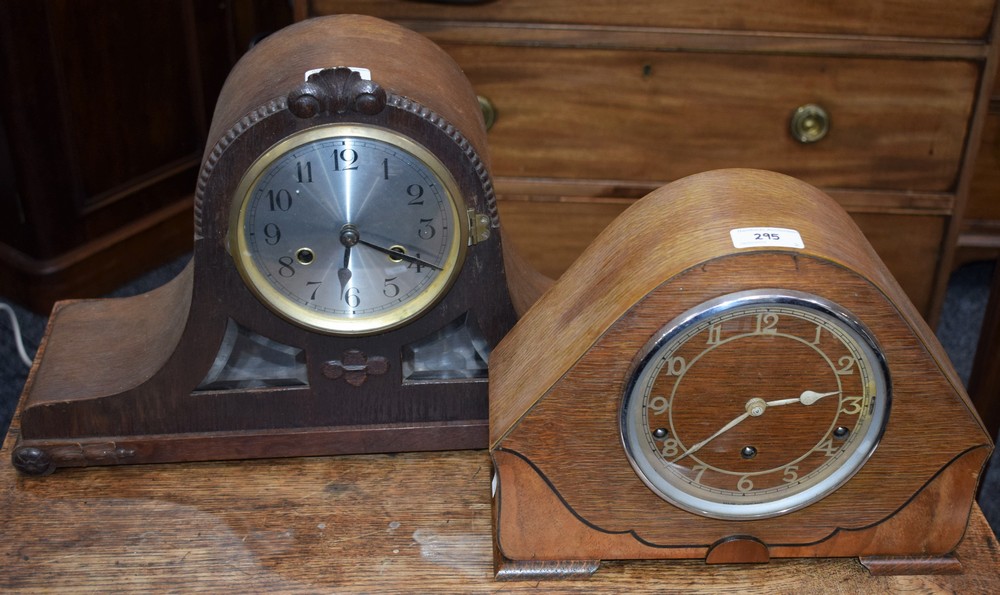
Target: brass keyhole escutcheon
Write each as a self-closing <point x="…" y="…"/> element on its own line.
<point x="489" y="111"/>
<point x="810" y="123"/>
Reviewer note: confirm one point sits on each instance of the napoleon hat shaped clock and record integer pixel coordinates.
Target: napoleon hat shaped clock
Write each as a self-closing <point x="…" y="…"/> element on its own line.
<point x="347" y="281"/>
<point x="730" y="374"/>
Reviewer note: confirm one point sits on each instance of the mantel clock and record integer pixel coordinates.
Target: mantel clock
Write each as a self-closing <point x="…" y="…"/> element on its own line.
<point x="729" y="373"/>
<point x="346" y="286"/>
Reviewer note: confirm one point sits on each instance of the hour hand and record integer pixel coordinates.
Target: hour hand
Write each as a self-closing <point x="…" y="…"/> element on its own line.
<point x="344" y="273"/>
<point x="807" y="397"/>
<point x="349" y="236"/>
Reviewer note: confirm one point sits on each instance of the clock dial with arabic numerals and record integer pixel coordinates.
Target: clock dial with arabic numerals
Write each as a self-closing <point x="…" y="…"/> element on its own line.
<point x="712" y="398"/>
<point x="764" y="437"/>
<point x="347" y="281"/>
<point x="348" y="230"/>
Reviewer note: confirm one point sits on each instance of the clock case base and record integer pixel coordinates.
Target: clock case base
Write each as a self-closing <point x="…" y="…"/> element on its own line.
<point x="505" y="569"/>
<point x="565" y="490"/>
<point x="105" y="330"/>
<point x="120" y="381"/>
<point x="567" y="545"/>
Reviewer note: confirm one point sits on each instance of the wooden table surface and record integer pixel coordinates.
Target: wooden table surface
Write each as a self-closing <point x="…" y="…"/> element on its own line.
<point x="387" y="523"/>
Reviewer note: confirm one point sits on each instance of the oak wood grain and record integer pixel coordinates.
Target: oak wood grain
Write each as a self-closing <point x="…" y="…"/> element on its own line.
<point x="149" y="338"/>
<point x="367" y="43"/>
<point x="711" y="203"/>
<point x="580" y="414"/>
<point x="118" y="380"/>
<point x="552" y="232"/>
<point x="556" y="430"/>
<point x="385" y="523"/>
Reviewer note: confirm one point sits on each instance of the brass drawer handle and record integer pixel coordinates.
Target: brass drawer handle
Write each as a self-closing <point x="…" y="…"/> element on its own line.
<point x="810" y="123"/>
<point x="489" y="111"/>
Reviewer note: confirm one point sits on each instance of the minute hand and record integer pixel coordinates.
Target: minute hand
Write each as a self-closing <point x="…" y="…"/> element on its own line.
<point x="721" y="431"/>
<point x="400" y="255"/>
<point x="756" y="408"/>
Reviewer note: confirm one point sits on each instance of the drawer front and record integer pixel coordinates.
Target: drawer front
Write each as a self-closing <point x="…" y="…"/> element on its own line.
<point x="550" y="235"/>
<point x="658" y="116"/>
<point x="939" y="19"/>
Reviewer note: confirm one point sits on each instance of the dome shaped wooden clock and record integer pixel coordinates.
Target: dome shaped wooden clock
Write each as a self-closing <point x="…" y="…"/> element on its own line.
<point x="346" y="286"/>
<point x="729" y="373"/>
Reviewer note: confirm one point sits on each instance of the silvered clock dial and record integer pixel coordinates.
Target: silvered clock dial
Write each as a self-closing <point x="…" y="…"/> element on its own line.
<point x="348" y="229"/>
<point x="347" y="283"/>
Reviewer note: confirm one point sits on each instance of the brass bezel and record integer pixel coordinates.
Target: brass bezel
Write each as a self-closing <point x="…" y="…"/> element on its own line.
<point x="258" y="283"/>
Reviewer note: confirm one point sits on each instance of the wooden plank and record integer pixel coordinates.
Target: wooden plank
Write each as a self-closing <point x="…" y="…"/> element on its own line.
<point x="412" y="522"/>
<point x="672" y="39"/>
<point x="622" y="191"/>
<point x="916" y="18"/>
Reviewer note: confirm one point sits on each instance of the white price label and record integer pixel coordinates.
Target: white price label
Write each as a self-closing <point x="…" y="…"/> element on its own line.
<point x="769" y="237"/>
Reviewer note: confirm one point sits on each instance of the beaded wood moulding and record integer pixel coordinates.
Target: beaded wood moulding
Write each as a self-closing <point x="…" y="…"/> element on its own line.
<point x="347" y="282"/>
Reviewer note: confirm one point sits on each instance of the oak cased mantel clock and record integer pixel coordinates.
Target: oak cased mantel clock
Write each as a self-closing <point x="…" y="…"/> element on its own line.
<point x="729" y="373"/>
<point x="346" y="285"/>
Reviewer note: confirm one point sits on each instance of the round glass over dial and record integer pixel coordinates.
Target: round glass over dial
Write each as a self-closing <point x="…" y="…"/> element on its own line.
<point x="755" y="404"/>
<point x="348" y="229"/>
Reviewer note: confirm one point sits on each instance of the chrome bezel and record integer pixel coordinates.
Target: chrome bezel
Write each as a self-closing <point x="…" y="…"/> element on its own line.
<point x="643" y="370"/>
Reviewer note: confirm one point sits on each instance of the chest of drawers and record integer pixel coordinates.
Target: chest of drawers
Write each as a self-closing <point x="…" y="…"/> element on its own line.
<point x="597" y="103"/>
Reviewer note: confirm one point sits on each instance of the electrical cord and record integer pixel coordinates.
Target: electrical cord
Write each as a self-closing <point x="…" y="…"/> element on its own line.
<point x="17" y="334"/>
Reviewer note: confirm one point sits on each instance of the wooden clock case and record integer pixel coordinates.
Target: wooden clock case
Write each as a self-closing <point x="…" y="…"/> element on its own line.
<point x="116" y="379"/>
<point x="566" y="496"/>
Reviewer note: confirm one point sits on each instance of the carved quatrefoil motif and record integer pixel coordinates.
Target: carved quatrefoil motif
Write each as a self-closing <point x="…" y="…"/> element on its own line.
<point x="355" y="367"/>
